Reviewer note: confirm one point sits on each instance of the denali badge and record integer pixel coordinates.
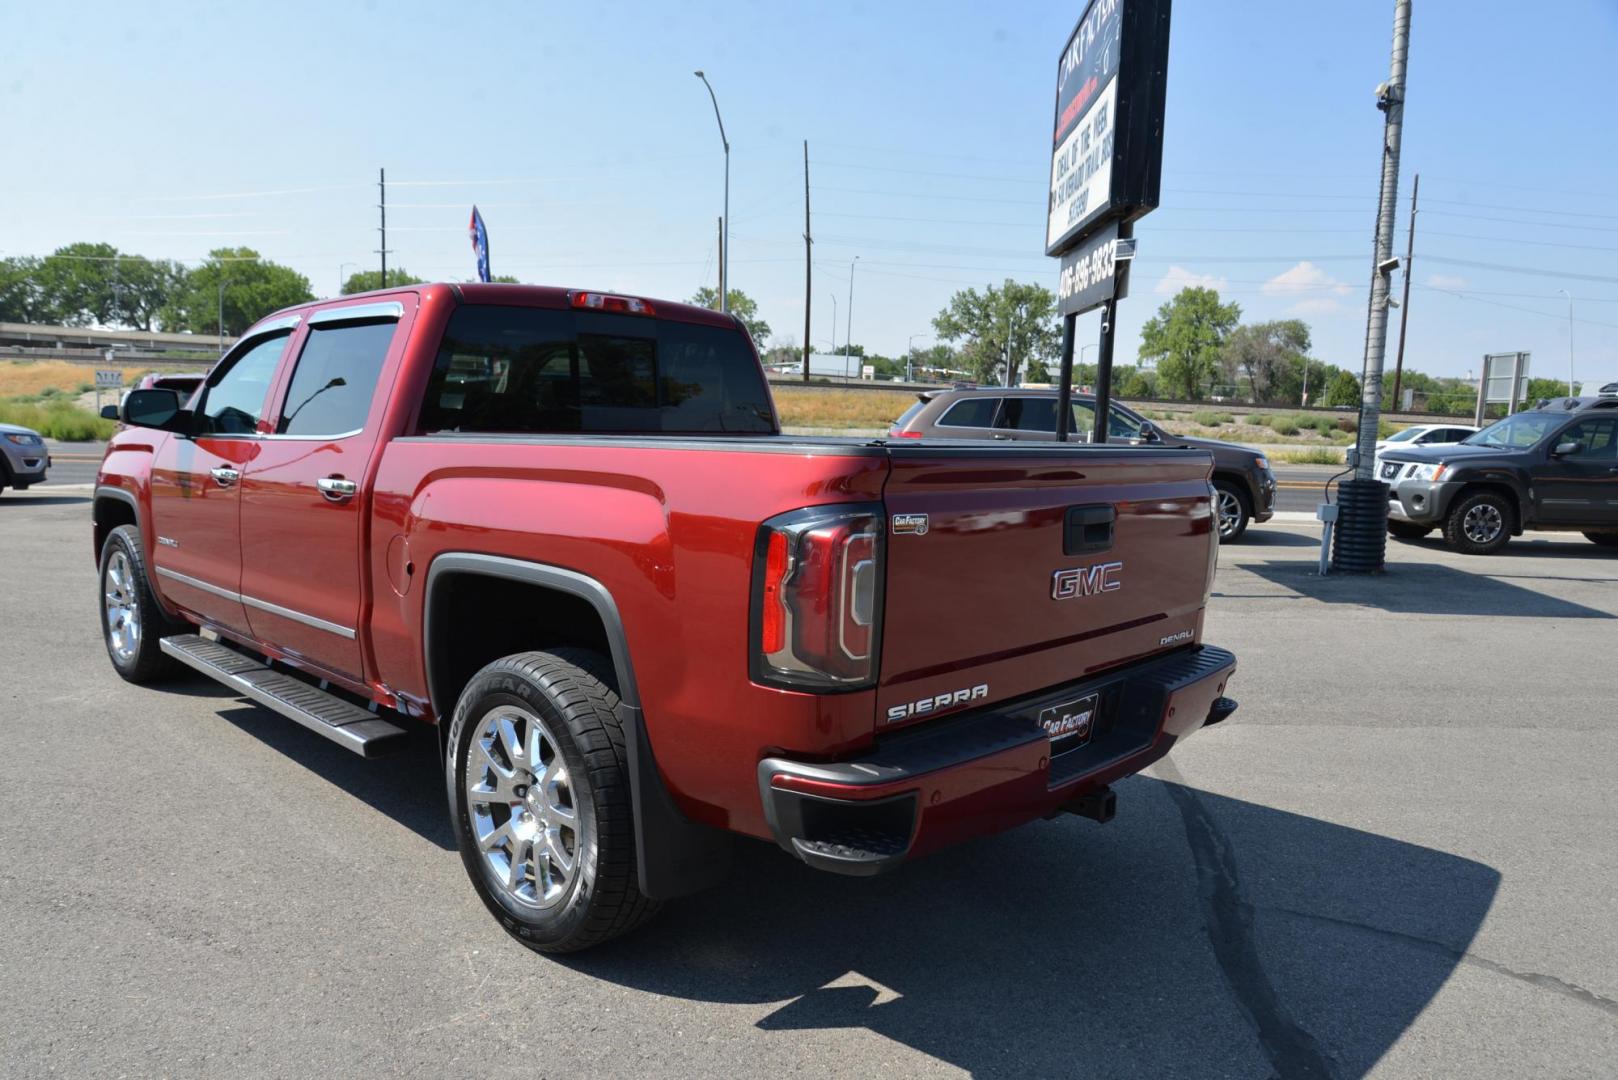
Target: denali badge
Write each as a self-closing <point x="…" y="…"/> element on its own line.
<point x="1183" y="635"/>
<point x="940" y="703"/>
<point x="909" y="524"/>
<point x="1086" y="581"/>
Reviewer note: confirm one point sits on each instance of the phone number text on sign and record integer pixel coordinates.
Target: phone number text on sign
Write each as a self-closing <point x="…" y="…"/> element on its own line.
<point x="1090" y="273"/>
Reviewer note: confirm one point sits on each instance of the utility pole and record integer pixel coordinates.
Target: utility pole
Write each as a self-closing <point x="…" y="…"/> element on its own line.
<point x="382" y="189"/>
<point x="1360" y="544"/>
<point x="1404" y="304"/>
<point x="1569" y="296"/>
<point x="808" y="263"/>
<point x="721" y="233"/>
<point x="221" y="309"/>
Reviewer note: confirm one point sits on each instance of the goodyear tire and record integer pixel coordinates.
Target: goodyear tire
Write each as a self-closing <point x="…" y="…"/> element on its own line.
<point x="538" y="780"/>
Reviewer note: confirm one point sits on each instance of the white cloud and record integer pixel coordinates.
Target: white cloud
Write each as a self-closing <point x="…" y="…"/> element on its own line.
<point x="1179" y="278"/>
<point x="1312" y="290"/>
<point x="1447" y="281"/>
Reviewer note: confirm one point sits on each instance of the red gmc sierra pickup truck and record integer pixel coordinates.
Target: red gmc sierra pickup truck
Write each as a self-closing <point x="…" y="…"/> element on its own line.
<point x="565" y="528"/>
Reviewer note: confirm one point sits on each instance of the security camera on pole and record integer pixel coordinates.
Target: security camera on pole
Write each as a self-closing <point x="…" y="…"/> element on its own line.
<point x="1106" y="169"/>
<point x="1362" y="511"/>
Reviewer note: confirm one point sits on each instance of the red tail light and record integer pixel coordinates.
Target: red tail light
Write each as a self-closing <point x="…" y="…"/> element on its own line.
<point x="626" y="305"/>
<point x="817" y="598"/>
<point x="895" y="433"/>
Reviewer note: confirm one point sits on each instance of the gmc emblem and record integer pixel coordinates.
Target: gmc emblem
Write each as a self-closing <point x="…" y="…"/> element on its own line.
<point x="1086" y="581"/>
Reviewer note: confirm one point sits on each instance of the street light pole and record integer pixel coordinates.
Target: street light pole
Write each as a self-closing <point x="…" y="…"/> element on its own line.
<point x="221" y="310"/>
<point x="834" y="324"/>
<point x="910" y="357"/>
<point x="848" y="330"/>
<point x="1569" y="296"/>
<point x="341" y="280"/>
<point x="724" y="241"/>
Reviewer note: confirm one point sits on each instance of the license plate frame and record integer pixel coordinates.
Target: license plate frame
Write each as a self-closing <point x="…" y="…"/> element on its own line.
<point x="1071" y="724"/>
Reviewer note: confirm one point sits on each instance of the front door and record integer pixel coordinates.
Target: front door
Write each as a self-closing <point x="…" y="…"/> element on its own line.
<point x="1580" y="488"/>
<point x="196" y="546"/>
<point x="304" y="500"/>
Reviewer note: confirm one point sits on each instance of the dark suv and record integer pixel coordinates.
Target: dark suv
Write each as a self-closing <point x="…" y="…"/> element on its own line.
<point x="1241" y="477"/>
<point x="1554" y="467"/>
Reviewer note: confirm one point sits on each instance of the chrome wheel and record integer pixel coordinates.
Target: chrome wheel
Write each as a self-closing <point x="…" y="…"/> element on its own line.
<point x="1482" y="523"/>
<point x="122" y="607"/>
<point x="1230" y="513"/>
<point x="520" y="799"/>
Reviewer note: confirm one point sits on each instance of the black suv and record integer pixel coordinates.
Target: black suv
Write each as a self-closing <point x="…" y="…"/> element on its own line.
<point x="1554" y="467"/>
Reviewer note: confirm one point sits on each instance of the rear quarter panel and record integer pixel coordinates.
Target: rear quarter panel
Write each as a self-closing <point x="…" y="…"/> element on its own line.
<point x="670" y="533"/>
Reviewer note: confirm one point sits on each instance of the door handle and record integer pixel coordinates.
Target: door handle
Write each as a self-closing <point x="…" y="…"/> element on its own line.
<point x="336" y="489"/>
<point x="997" y="435"/>
<point x="224" y="476"/>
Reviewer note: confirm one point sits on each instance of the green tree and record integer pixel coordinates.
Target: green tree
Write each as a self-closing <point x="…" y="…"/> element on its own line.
<point x="1269" y="355"/>
<point x="366" y="280"/>
<point x="252" y="288"/>
<point x="97" y="285"/>
<point x="20" y="298"/>
<point x="1015" y="321"/>
<point x="742" y="306"/>
<point x="1134" y="382"/>
<point x="1344" y="389"/>
<point x="1186" y="338"/>
<point x="1544" y="388"/>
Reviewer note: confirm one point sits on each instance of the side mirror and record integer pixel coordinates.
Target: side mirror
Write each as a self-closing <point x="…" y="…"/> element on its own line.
<point x="155" y="408"/>
<point x="110" y="412"/>
<point x="1148" y="433"/>
<point x="1564" y="449"/>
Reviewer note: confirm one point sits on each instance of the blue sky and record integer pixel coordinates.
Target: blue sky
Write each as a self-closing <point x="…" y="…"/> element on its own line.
<point x="581" y="132"/>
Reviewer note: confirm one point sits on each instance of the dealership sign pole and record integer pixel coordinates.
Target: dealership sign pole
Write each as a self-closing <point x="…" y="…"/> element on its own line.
<point x="1106" y="169"/>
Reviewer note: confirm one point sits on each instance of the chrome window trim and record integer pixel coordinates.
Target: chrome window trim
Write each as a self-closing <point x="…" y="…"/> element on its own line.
<point x="285" y="322"/>
<point x="262" y="605"/>
<point x="381" y="309"/>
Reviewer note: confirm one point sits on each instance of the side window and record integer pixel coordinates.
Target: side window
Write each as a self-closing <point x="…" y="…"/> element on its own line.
<point x="1596" y="436"/>
<point x="975" y="412"/>
<point x="1029" y="414"/>
<point x="1429" y="437"/>
<point x="1455" y="434"/>
<point x="335" y="379"/>
<point x="1120" y="425"/>
<point x="234" y="398"/>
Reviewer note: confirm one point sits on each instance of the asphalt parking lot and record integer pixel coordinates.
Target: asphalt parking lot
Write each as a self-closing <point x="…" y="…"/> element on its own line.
<point x="1397" y="859"/>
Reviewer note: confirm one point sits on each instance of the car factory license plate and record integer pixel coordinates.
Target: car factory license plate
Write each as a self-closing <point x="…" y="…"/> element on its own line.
<point x="1071" y="723"/>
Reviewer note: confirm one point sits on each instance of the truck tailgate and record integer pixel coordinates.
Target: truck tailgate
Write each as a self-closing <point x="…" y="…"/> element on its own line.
<point x="1037" y="566"/>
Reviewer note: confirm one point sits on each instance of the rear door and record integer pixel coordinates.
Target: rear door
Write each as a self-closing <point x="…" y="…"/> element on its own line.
<point x="304" y="497"/>
<point x="196" y="549"/>
<point x="1039" y="565"/>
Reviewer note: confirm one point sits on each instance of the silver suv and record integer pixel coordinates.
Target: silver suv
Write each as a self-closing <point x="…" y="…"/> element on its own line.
<point x="23" y="457"/>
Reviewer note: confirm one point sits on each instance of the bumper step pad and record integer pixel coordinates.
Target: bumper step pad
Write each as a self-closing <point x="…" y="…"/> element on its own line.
<point x="339" y="720"/>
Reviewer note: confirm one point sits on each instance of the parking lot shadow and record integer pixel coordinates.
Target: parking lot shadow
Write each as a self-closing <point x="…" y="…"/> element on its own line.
<point x="407" y="786"/>
<point x="1417" y="588"/>
<point x="1193" y="936"/>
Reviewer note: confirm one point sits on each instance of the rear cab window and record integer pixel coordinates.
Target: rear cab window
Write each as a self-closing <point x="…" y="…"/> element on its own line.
<point x="518" y="370"/>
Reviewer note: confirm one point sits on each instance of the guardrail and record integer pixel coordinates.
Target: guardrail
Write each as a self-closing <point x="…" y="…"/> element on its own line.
<point x="98" y="357"/>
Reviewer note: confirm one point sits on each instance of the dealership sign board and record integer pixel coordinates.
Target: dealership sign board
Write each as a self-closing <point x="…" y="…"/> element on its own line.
<point x="1095" y="271"/>
<point x="1107" y="138"/>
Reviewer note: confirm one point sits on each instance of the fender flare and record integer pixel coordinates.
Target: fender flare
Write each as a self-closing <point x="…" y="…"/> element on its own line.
<point x="674" y="855"/>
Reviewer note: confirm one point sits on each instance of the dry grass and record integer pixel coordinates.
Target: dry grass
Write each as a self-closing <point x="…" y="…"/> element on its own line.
<point x="28" y="378"/>
<point x="801" y="407"/>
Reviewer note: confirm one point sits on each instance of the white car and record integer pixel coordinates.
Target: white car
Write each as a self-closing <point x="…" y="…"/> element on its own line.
<point x="1421" y="435"/>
